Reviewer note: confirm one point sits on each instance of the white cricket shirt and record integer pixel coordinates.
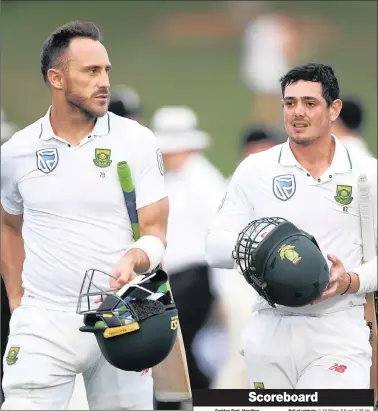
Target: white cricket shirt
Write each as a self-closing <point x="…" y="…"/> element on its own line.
<point x="273" y="184"/>
<point x="75" y="216"/>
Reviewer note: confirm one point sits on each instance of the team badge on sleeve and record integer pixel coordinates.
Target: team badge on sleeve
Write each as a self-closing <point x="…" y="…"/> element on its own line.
<point x="12" y="355"/>
<point x="47" y="159"/>
<point x="344" y="195"/>
<point x="160" y="161"/>
<point x="284" y="186"/>
<point x="102" y="157"/>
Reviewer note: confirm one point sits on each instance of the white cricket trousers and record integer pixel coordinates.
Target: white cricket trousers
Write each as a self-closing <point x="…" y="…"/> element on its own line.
<point x="46" y="351"/>
<point x="306" y="352"/>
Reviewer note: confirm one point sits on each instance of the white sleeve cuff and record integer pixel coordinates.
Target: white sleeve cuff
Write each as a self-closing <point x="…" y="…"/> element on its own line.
<point x="154" y="249"/>
<point x="219" y="247"/>
<point x="10" y="209"/>
<point x="367" y="274"/>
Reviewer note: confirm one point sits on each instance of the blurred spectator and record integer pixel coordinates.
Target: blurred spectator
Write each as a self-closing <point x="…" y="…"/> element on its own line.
<point x="270" y="42"/>
<point x="235" y="294"/>
<point x="7" y="129"/>
<point x="236" y="297"/>
<point x="273" y="42"/>
<point x="259" y="138"/>
<point x="348" y="126"/>
<point x="125" y="102"/>
<point x="195" y="188"/>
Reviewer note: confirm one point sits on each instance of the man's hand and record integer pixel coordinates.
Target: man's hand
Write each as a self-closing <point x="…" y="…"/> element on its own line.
<point x="133" y="261"/>
<point x="339" y="280"/>
<point x="123" y="273"/>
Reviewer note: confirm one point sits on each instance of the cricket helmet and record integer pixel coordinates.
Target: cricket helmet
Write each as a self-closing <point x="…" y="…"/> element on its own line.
<point x="136" y="326"/>
<point x="281" y="262"/>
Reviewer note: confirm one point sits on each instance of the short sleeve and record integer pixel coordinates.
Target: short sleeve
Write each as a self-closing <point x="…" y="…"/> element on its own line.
<point x="234" y="213"/>
<point x="148" y="170"/>
<point x="236" y="209"/>
<point x="11" y="199"/>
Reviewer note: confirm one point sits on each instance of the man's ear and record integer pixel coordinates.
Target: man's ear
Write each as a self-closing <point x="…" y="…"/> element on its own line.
<point x="55" y="78"/>
<point x="335" y="109"/>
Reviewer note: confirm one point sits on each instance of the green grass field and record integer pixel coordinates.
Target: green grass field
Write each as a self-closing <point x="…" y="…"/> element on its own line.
<point x="201" y="73"/>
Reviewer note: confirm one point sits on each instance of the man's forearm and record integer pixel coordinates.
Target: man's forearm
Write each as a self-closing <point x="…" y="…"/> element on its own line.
<point x="12" y="260"/>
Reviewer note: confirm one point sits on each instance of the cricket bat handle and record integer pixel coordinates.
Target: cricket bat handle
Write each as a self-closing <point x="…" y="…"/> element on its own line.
<point x="171" y="376"/>
<point x="369" y="249"/>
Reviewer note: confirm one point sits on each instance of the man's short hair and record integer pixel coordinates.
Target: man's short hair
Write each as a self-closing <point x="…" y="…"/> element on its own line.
<point x="318" y="73"/>
<point x="59" y="40"/>
<point x="351" y="114"/>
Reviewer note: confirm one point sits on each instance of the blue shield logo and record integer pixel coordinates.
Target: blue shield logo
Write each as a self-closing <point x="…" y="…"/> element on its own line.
<point x="47" y="159"/>
<point x="284" y="186"/>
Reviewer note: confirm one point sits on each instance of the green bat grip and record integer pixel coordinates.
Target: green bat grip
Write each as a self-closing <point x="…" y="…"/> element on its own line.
<point x="124" y="175"/>
<point x="127" y="184"/>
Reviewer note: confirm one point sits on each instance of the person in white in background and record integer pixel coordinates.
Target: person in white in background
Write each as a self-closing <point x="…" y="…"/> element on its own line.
<point x="266" y="39"/>
<point x="310" y="181"/>
<point x="348" y="127"/>
<point x="195" y="188"/>
<point x="269" y="44"/>
<point x="272" y="42"/>
<point x="7" y="129"/>
<point x="236" y="296"/>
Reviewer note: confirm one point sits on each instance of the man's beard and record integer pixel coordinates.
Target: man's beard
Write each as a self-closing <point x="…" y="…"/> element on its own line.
<point x="303" y="142"/>
<point x="78" y="102"/>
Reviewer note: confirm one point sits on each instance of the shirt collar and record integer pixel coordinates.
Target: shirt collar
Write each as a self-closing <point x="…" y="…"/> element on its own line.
<point x="341" y="162"/>
<point x="101" y="128"/>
